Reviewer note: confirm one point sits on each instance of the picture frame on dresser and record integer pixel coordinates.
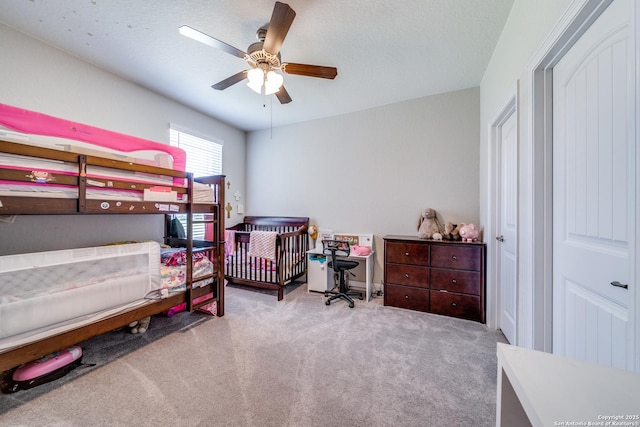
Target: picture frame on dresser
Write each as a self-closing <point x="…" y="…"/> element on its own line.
<point x="435" y="276"/>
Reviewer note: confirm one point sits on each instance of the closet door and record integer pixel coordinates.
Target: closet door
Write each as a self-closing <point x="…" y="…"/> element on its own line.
<point x="594" y="200"/>
<point x="508" y="225"/>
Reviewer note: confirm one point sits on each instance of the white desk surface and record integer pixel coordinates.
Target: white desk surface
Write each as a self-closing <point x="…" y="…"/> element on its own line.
<point x="557" y="391"/>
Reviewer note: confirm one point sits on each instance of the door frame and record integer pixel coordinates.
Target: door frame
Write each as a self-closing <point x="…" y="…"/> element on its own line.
<point x="494" y="306"/>
<point x="578" y="17"/>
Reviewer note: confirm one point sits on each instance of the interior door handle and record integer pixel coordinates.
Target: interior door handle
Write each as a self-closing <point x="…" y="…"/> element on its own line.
<point x="619" y="285"/>
<point x="500" y="238"/>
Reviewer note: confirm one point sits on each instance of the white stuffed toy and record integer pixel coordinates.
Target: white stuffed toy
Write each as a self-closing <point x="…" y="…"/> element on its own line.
<point x="140" y="326"/>
<point x="429" y="226"/>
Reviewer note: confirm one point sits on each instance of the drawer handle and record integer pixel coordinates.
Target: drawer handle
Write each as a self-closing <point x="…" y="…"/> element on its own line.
<point x="406" y="275"/>
<point x="453" y="304"/>
<point x="454" y="281"/>
<point x="406" y="297"/>
<point x="453" y="257"/>
<point x="406" y="253"/>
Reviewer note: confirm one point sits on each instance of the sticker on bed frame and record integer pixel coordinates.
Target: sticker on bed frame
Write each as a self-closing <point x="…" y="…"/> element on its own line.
<point x="167" y="207"/>
<point x="41" y="177"/>
<point x="95" y="183"/>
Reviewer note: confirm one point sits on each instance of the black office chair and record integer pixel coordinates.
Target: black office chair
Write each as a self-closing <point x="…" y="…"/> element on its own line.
<point x="338" y="248"/>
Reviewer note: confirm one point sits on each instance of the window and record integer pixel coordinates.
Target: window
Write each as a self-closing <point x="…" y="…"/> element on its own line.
<point x="204" y="157"/>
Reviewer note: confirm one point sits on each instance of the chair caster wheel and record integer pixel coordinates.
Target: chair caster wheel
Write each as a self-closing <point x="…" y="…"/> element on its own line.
<point x="351" y="305"/>
<point x="360" y="297"/>
<point x="327" y="302"/>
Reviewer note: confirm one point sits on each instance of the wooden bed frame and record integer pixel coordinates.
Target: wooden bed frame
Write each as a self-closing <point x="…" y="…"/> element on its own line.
<point x="292" y="239"/>
<point x="214" y="248"/>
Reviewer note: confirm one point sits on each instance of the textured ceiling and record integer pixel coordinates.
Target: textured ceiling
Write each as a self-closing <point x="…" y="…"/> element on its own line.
<point x="385" y="51"/>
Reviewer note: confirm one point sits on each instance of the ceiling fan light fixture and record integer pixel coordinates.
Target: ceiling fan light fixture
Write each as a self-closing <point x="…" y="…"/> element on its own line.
<point x="256" y="78"/>
<point x="273" y="82"/>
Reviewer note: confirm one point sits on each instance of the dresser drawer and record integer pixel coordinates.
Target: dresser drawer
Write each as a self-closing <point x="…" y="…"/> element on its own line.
<point x="407" y="253"/>
<point x="410" y="275"/>
<point x="465" y="282"/>
<point x="456" y="305"/>
<point x="404" y="297"/>
<point x="459" y="256"/>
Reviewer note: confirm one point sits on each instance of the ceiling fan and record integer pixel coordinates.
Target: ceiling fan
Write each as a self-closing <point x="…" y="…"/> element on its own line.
<point x="263" y="56"/>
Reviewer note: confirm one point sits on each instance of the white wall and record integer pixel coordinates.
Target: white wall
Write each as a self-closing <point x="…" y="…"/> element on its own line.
<point x="525" y="31"/>
<point x="372" y="171"/>
<point x="38" y="77"/>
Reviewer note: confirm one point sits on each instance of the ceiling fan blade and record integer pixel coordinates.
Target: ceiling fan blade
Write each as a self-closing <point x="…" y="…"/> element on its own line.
<point x="283" y="96"/>
<point x="281" y="21"/>
<point x="230" y="81"/>
<point x="310" y="70"/>
<point x="186" y="30"/>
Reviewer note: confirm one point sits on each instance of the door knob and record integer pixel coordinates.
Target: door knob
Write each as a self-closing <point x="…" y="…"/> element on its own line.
<point x="619" y="285"/>
<point x="500" y="238"/>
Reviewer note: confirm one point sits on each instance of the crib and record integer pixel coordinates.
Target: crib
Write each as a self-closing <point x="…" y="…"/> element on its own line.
<point x="279" y="260"/>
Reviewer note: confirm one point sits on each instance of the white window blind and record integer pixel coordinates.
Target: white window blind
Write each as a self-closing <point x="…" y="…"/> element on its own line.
<point x="204" y="158"/>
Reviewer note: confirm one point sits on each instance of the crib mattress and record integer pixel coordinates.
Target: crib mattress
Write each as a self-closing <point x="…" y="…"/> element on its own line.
<point x="47" y="291"/>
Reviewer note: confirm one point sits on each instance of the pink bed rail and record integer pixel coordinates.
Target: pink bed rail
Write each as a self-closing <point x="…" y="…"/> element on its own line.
<point x="31" y="122"/>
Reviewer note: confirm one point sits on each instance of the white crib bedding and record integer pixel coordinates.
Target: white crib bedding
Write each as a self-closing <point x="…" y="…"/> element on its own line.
<point x="240" y="265"/>
<point x="46" y="292"/>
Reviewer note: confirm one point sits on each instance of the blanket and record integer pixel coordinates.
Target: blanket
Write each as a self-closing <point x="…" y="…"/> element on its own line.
<point x="262" y="244"/>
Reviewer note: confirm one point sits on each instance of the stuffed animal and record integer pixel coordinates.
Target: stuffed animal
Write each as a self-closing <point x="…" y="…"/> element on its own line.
<point x="451" y="231"/>
<point x="140" y="326"/>
<point x="468" y="232"/>
<point x="428" y="225"/>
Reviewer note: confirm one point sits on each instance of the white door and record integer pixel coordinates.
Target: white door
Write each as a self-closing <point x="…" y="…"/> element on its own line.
<point x="593" y="192"/>
<point x="507" y="226"/>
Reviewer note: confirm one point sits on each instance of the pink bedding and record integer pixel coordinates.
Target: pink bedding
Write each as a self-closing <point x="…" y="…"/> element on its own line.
<point x="41" y="124"/>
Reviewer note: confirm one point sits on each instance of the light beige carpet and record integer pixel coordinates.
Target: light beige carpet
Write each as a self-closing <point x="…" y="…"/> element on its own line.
<point x="296" y="362"/>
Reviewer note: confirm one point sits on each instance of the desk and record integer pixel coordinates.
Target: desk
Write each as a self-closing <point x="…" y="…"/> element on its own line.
<point x="542" y="389"/>
<point x="319" y="276"/>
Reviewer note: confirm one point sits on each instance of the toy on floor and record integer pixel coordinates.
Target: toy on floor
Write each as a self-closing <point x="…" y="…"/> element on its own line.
<point x="43" y="370"/>
<point x="140" y="326"/>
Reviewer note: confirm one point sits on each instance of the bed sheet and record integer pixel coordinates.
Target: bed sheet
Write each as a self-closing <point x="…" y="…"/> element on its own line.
<point x="173" y="270"/>
<point x="251" y="268"/>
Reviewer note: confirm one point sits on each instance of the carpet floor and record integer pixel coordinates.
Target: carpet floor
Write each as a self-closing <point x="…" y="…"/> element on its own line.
<point x="296" y="362"/>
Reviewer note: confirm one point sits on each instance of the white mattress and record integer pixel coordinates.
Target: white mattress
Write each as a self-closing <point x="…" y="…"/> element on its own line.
<point x="44" y="187"/>
<point x="202" y="193"/>
<point x="45" y="291"/>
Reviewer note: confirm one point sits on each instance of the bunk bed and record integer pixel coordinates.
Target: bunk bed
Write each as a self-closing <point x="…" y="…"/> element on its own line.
<point x="133" y="188"/>
<point x="279" y="258"/>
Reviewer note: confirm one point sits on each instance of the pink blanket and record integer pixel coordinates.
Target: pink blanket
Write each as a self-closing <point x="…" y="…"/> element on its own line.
<point x="32" y="122"/>
<point x="262" y="244"/>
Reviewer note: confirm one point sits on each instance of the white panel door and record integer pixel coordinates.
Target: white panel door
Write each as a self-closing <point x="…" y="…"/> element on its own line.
<point x="508" y="216"/>
<point x="593" y="193"/>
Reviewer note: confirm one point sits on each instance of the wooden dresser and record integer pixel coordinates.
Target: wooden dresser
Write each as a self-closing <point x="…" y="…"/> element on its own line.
<point x="439" y="277"/>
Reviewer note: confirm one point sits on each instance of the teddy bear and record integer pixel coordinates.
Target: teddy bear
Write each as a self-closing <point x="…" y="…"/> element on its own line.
<point x="429" y="226"/>
<point x="140" y="326"/>
<point x="451" y="231"/>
